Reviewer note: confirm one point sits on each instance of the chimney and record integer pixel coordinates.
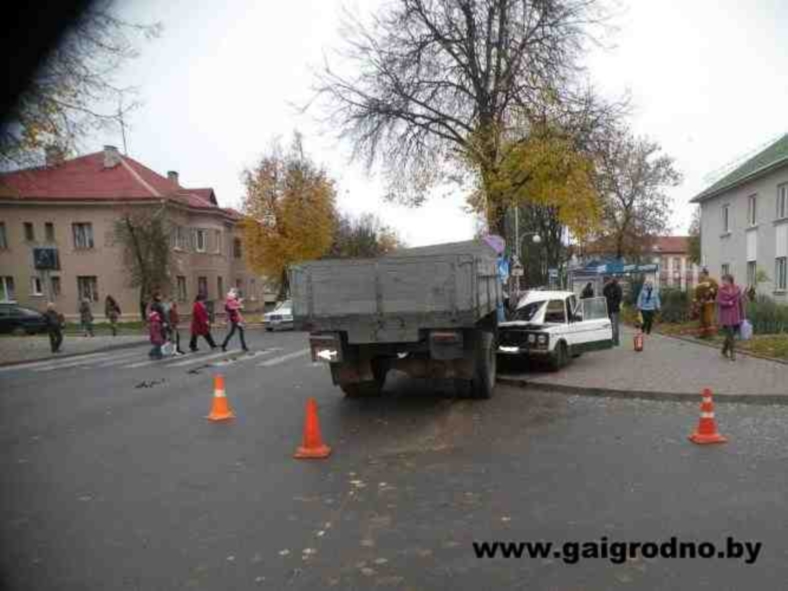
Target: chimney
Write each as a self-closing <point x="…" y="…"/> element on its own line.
<point x="53" y="155"/>
<point x="111" y="156"/>
<point x="173" y="176"/>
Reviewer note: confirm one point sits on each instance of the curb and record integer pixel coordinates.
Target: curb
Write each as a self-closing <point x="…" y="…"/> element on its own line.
<point x="755" y="399"/>
<point x="69" y="355"/>
<point x="715" y="346"/>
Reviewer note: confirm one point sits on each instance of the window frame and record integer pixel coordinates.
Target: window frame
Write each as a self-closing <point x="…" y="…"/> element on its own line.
<point x="752" y="210"/>
<point x="219" y="286"/>
<point x="55" y="280"/>
<point x="83" y="232"/>
<point x="781" y="274"/>
<point x="3" y="236"/>
<point x="200" y="235"/>
<point x="237" y="248"/>
<point x="782" y="201"/>
<point x="94" y="296"/>
<point x="751" y="265"/>
<point x="5" y="292"/>
<point x="725" y="269"/>
<point x="202" y="280"/>
<point x="217" y="248"/>
<point x="49" y="232"/>
<point x="726" y="218"/>
<point x="181" y="288"/>
<point x="36" y="286"/>
<point x="30" y="236"/>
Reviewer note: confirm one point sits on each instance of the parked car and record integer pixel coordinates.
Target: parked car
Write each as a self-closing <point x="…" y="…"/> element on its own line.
<point x="555" y="326"/>
<point x="280" y="318"/>
<point x="20" y="320"/>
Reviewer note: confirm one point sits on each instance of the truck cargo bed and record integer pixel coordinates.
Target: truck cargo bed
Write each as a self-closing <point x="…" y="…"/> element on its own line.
<point x="391" y="298"/>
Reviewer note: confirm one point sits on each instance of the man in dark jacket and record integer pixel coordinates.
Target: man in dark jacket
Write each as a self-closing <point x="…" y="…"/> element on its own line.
<point x="613" y="294"/>
<point x="54" y="327"/>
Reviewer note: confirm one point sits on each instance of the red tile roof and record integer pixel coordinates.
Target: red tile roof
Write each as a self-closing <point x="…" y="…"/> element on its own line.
<point x="672" y="244"/>
<point x="86" y="178"/>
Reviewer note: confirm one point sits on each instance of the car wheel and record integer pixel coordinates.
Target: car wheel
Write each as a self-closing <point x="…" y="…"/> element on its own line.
<point x="560" y="357"/>
<point x="268" y="329"/>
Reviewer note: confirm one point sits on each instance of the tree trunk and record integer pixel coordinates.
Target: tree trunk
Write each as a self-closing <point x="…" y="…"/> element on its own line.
<point x="284" y="287"/>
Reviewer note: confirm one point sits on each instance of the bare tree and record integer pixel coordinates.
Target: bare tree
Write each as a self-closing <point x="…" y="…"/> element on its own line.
<point x="694" y="237"/>
<point x="74" y="92"/>
<point x="362" y="237"/>
<point x="633" y="174"/>
<point x="144" y="237"/>
<point x="439" y="85"/>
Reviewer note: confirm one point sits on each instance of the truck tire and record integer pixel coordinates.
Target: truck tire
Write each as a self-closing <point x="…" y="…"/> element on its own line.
<point x="483" y="382"/>
<point x="360" y="389"/>
<point x="560" y="357"/>
<point x="380" y="367"/>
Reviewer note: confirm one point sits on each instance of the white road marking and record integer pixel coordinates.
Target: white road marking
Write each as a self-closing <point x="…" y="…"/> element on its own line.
<point x="47" y="362"/>
<point x="116" y="359"/>
<point x="199" y="359"/>
<point x="72" y="364"/>
<point x="283" y="358"/>
<point x="247" y="357"/>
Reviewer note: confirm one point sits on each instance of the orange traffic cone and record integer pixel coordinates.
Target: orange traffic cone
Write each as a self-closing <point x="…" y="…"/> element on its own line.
<point x="313" y="446"/>
<point x="220" y="411"/>
<point x="638" y="341"/>
<point x="707" y="426"/>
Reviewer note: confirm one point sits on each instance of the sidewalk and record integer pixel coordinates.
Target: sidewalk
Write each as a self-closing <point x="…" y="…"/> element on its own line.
<point x="32" y="348"/>
<point x="667" y="368"/>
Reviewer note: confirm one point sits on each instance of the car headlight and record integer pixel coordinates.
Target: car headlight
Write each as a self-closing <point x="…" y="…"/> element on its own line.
<point x="531" y="338"/>
<point x="542" y="339"/>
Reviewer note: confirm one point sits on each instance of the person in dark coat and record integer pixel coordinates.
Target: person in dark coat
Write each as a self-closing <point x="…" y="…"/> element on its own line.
<point x="112" y="313"/>
<point x="201" y="324"/>
<point x="86" y="317"/>
<point x="588" y="291"/>
<point x="55" y="323"/>
<point x="614" y="294"/>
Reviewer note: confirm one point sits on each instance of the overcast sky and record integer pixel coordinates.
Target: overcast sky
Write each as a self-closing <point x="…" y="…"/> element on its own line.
<point x="708" y="79"/>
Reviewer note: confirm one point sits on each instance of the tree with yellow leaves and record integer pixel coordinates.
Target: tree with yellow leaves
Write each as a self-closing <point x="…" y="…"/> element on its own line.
<point x="289" y="211"/>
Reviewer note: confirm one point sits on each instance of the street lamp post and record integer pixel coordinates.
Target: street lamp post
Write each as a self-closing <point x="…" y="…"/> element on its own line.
<point x="536" y="239"/>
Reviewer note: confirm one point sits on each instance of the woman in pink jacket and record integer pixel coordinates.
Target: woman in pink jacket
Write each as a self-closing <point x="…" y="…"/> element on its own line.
<point x="233" y="308"/>
<point x="730" y="313"/>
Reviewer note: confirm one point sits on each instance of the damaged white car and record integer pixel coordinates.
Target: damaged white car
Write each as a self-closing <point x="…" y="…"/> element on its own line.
<point x="555" y="326"/>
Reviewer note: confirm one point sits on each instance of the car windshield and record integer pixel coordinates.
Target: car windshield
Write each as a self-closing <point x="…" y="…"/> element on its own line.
<point x="529" y="311"/>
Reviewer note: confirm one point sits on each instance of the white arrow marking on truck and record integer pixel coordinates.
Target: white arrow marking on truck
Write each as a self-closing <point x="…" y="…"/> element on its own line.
<point x="326" y="354"/>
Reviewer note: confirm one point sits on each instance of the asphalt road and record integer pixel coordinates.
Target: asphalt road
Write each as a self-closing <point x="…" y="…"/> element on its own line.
<point x="113" y="479"/>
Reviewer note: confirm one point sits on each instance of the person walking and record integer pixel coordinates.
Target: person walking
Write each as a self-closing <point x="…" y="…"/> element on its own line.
<point x="112" y="312"/>
<point x="648" y="305"/>
<point x="55" y="323"/>
<point x="233" y="307"/>
<point x="156" y="333"/>
<point x="86" y="317"/>
<point x="174" y="319"/>
<point x="588" y="291"/>
<point x="614" y="294"/>
<point x="704" y="302"/>
<point x="730" y="312"/>
<point x="201" y="324"/>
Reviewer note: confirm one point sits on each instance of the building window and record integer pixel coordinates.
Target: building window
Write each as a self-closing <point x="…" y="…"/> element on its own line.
<point x="202" y="286"/>
<point x="782" y="201"/>
<point x="3" y="237"/>
<point x="87" y="287"/>
<point x="217" y="236"/>
<point x="49" y="231"/>
<point x="752" y="209"/>
<point x="751" y="273"/>
<point x="726" y="226"/>
<point x="55" y="281"/>
<point x="237" y="248"/>
<point x="83" y="235"/>
<point x="36" y="286"/>
<point x="180" y="242"/>
<point x="7" y="289"/>
<point x="181" y="288"/>
<point x="220" y="287"/>
<point x="239" y="285"/>
<point x="199" y="240"/>
<point x="30" y="234"/>
<point x="726" y="269"/>
<point x="781" y="273"/>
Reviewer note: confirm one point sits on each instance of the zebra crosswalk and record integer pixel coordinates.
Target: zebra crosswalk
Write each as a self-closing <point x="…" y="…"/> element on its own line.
<point x="130" y="360"/>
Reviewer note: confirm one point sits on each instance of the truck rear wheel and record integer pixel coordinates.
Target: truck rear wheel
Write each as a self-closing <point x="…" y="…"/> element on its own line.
<point x="360" y="389"/>
<point x="483" y="382"/>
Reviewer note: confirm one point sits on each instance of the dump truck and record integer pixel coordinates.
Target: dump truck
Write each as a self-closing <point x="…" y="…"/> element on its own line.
<point x="430" y="312"/>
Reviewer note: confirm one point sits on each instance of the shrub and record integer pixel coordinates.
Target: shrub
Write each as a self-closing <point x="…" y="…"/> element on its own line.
<point x="767" y="316"/>
<point x="676" y="305"/>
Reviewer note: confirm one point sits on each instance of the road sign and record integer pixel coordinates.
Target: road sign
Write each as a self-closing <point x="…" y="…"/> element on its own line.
<point x="552" y="273"/>
<point x="517" y="272"/>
